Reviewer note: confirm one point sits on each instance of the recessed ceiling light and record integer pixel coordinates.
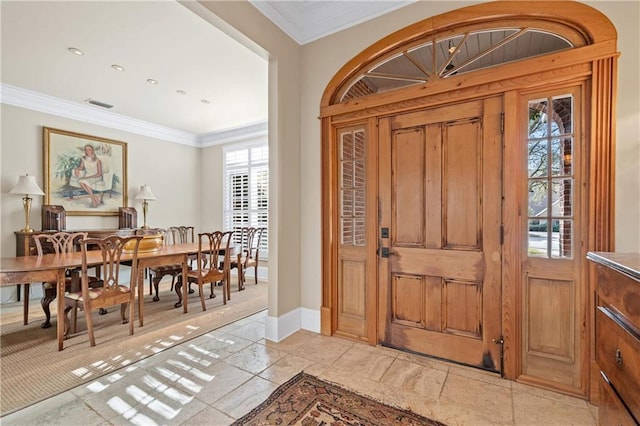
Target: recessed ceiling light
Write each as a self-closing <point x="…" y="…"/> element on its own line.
<point x="181" y="92"/>
<point x="151" y="81"/>
<point x="205" y="101"/>
<point x="76" y="51"/>
<point x="117" y="67"/>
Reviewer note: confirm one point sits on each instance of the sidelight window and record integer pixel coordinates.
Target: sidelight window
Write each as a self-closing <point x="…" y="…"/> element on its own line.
<point x="352" y="187"/>
<point x="551" y="142"/>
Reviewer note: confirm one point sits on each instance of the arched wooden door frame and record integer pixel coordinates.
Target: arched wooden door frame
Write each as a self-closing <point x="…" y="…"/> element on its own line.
<point x="594" y="62"/>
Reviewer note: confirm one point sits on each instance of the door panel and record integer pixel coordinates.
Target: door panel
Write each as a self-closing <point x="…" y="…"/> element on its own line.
<point x="440" y="195"/>
<point x="409" y="168"/>
<point x="461" y="184"/>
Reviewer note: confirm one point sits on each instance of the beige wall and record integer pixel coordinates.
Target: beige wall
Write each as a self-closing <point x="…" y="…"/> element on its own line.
<point x="625" y="16"/>
<point x="172" y="170"/>
<point x="284" y="147"/>
<point x="212" y="188"/>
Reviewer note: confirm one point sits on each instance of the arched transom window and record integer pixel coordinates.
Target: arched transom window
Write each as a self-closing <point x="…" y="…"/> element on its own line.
<point x="446" y="55"/>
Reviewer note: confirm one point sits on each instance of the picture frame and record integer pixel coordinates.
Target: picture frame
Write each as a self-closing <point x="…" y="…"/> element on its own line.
<point x="85" y="174"/>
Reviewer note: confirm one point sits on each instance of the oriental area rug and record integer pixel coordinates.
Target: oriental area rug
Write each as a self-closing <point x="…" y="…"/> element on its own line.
<point x="308" y="401"/>
<point x="32" y="369"/>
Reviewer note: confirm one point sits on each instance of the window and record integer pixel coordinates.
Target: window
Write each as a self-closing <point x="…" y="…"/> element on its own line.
<point x="551" y="177"/>
<point x="246" y="190"/>
<point x="352" y="187"/>
<point x="453" y="55"/>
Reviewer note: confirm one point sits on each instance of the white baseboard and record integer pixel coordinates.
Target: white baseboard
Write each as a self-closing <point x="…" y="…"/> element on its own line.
<point x="310" y="319"/>
<point x="279" y="328"/>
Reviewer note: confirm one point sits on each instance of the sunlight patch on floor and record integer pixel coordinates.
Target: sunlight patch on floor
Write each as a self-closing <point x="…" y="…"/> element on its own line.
<point x="97" y="387"/>
<point x="197" y="360"/>
<point x="197" y="373"/>
<point x="129" y="413"/>
<point x="82" y="372"/>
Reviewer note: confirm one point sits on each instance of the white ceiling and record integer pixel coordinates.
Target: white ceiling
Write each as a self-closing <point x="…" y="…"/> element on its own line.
<point x="308" y="20"/>
<point x="161" y="40"/>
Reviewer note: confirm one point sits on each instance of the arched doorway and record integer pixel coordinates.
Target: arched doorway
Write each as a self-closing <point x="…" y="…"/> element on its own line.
<point x="460" y="192"/>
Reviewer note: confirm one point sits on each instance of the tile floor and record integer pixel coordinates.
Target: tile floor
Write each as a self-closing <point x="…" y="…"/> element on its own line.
<point x="220" y="376"/>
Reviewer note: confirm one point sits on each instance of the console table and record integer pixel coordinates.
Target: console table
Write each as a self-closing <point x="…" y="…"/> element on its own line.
<point x="618" y="336"/>
<point x="26" y="247"/>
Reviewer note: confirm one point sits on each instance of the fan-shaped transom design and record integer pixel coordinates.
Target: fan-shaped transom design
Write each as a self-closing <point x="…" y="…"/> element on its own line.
<point x="461" y="53"/>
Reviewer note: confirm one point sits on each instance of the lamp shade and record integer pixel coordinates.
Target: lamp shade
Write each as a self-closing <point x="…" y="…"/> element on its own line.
<point x="145" y="193"/>
<point x="26" y="185"/>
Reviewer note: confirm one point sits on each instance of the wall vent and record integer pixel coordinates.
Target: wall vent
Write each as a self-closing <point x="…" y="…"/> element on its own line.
<point x="98" y="103"/>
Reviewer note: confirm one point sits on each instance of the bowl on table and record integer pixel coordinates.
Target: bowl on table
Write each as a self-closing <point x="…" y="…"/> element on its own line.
<point x="148" y="243"/>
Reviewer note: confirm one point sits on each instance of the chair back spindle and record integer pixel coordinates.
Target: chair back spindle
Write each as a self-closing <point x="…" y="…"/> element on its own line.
<point x="60" y="242"/>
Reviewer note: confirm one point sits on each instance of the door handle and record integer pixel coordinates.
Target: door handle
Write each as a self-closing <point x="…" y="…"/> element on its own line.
<point x="385" y="252"/>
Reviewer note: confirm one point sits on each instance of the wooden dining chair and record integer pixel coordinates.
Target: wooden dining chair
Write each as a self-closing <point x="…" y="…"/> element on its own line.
<point x="207" y="266"/>
<point x="184" y="235"/>
<point x="175" y="235"/>
<point x="249" y="255"/>
<point x="240" y="236"/>
<point x="112" y="291"/>
<point x="154" y="232"/>
<point x="57" y="243"/>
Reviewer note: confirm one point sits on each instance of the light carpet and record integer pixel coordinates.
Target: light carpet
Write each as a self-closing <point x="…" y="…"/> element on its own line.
<point x="32" y="369"/>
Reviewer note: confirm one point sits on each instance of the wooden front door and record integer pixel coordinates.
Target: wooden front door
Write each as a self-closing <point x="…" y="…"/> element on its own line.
<point x="440" y="198"/>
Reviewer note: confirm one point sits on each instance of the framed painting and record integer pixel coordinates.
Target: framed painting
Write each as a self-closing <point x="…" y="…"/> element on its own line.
<point x="85" y="174"/>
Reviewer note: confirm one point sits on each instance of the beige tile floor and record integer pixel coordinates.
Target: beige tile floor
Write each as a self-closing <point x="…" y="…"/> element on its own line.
<point x="220" y="376"/>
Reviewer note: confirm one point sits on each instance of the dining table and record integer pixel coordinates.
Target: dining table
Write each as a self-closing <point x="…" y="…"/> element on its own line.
<point x="52" y="268"/>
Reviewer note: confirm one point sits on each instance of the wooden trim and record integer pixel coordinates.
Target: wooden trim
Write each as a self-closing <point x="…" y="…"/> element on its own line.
<point x="372" y="231"/>
<point x="522" y="74"/>
<point x="604" y="87"/>
<point x="329" y="250"/>
<point x="601" y="187"/>
<point x="577" y="17"/>
<point x="384" y="175"/>
<point x="511" y="217"/>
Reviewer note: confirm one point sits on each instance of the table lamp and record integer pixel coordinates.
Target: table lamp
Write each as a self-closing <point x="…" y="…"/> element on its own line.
<point x="145" y="195"/>
<point x="26" y="185"/>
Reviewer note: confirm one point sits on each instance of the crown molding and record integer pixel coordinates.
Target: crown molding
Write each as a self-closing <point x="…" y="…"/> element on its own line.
<point x="287" y="18"/>
<point x="244" y="133"/>
<point x="28" y="99"/>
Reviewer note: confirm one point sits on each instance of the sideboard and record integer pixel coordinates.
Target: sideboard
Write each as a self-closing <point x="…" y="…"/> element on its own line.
<point x="26" y="247"/>
<point x="618" y="336"/>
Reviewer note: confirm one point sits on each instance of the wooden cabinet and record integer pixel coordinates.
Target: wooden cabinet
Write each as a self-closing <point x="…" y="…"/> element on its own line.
<point x="618" y="336"/>
<point x="26" y="247"/>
